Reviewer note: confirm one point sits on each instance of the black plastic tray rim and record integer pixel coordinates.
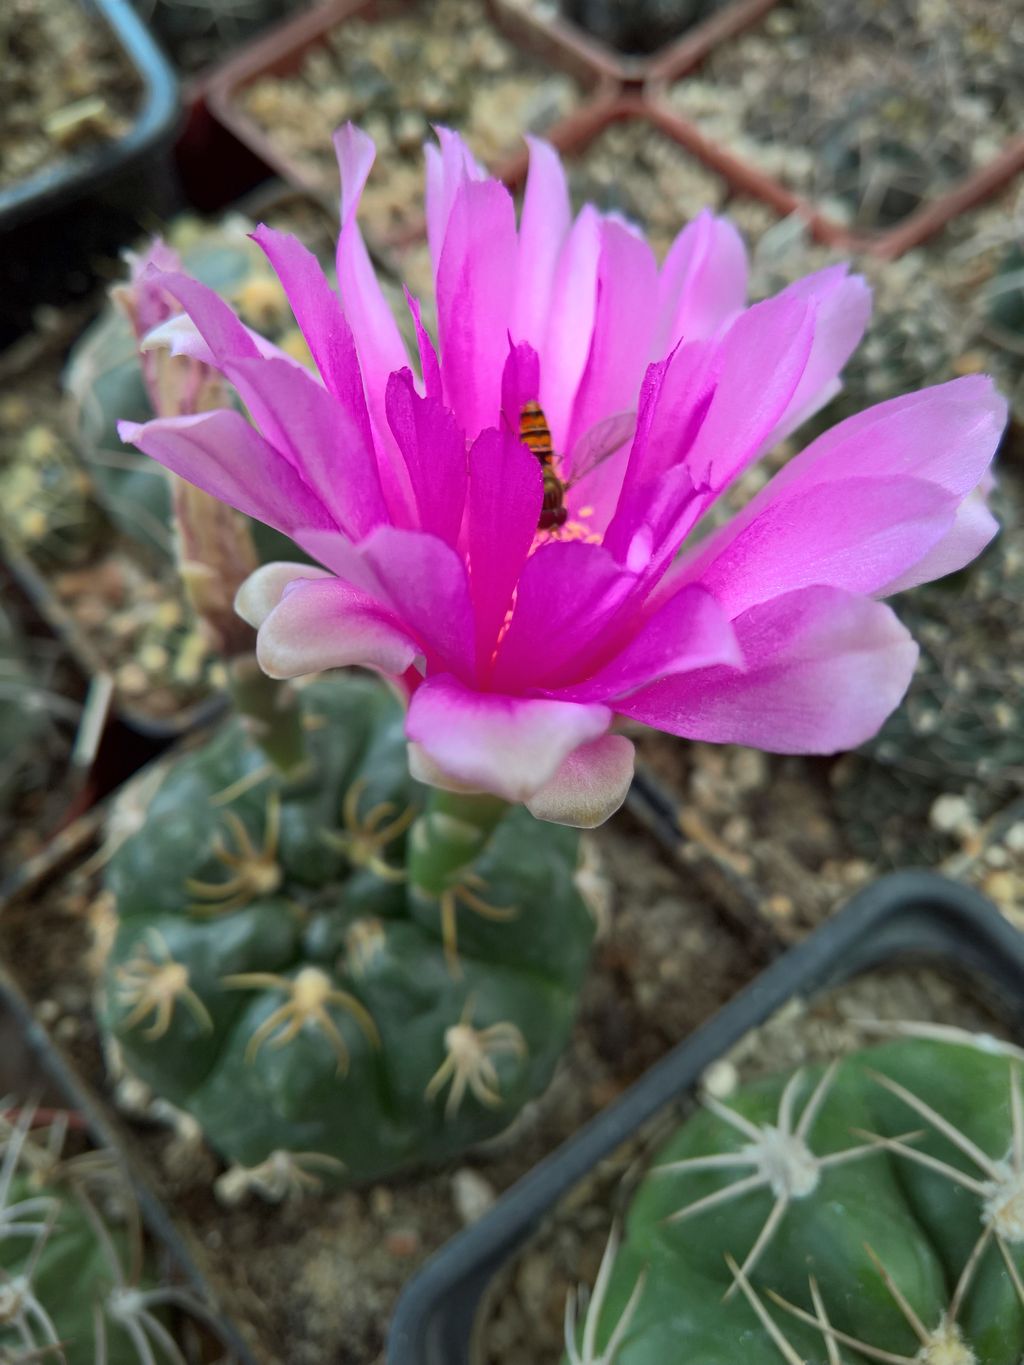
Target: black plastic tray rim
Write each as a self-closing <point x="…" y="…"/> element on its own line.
<point x="155" y="122"/>
<point x="912" y="915"/>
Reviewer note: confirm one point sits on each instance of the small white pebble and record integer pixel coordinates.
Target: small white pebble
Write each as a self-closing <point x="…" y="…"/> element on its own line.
<point x="720" y="1080"/>
<point x="472" y="1195"/>
<point x="1014" y="837"/>
<point x="951" y="815"/>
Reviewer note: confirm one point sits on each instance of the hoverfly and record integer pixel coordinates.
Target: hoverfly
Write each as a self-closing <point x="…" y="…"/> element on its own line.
<point x="603" y="439"/>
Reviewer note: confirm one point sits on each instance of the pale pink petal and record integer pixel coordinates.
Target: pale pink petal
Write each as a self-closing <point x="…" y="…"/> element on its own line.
<point x="181" y="337"/>
<point x="855" y="533"/>
<point x="221" y="453"/>
<point x="543" y="227"/>
<point x="842" y="307"/>
<point x="823" y="670"/>
<point x="510" y="746"/>
<point x="475" y="287"/>
<point x="434" y="449"/>
<point x="973" y="527"/>
<point x="505" y="495"/>
<point x="627" y="274"/>
<point x="589" y="787"/>
<point x="703" y="283"/>
<point x="430" y="368"/>
<point x="222" y="331"/>
<point x="321" y="439"/>
<point x="566" y="342"/>
<point x="422" y="768"/>
<point x="323" y="623"/>
<point x="688" y="631"/>
<point x="449" y="166"/>
<point x="264" y="588"/>
<point x="566" y="600"/>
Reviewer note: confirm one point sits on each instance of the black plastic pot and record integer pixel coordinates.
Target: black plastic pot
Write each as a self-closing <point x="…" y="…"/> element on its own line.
<point x="57" y="224"/>
<point x="55" y="1080"/>
<point x="915" y="915"/>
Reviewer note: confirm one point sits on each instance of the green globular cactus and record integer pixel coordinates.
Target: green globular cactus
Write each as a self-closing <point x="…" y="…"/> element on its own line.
<point x="77" y="1281"/>
<point x="868" y="1211"/>
<point x="339" y="973"/>
<point x="105" y="384"/>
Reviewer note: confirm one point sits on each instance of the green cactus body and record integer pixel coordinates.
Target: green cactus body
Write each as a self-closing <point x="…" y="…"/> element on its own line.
<point x="343" y="974"/>
<point x="104" y="380"/>
<point x="869" y="1212"/>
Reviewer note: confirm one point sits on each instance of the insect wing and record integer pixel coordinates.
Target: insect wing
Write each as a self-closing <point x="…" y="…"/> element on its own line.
<point x="595" y="446"/>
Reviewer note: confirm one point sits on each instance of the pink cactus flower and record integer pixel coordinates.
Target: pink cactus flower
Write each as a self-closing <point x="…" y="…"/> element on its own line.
<point x="526" y="599"/>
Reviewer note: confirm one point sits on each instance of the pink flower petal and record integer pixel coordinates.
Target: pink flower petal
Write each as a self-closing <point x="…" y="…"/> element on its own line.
<point x="449" y="166"/>
<point x="520" y="384"/>
<point x="566" y="344"/>
<point x="319" y="437"/>
<point x="703" y="283"/>
<point x="434" y="449"/>
<point x="475" y="287"/>
<point x="323" y="623"/>
<point x="842" y="307"/>
<point x="567" y="595"/>
<point x="420" y="579"/>
<point x="221" y="453"/>
<point x="505" y="495"/>
<point x="758" y="368"/>
<point x="973" y="527"/>
<point x="626" y="275"/>
<point x="264" y="588"/>
<point x="823" y="671"/>
<point x="688" y="631"/>
<point x="430" y="367"/>
<point x="589" y="787"/>
<point x="856" y="533"/>
<point x="542" y="229"/>
<point x="510" y="746"/>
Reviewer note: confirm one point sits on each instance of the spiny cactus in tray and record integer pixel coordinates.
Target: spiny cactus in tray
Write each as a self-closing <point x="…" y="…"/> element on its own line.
<point x="335" y="971"/>
<point x="79" y="1284"/>
<point x="866" y="1211"/>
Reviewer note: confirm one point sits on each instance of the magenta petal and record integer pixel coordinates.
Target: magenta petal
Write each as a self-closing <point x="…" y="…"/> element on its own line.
<point x="947" y="434"/>
<point x="567" y="596"/>
<point x="510" y="746"/>
<point x="222" y="331"/>
<point x="543" y="227"/>
<point x="378" y="340"/>
<point x="589" y="787"/>
<point x="430" y="367"/>
<point x="688" y="631"/>
<point x="823" y="671"/>
<point x="627" y="274"/>
<point x="265" y="586"/>
<point x="703" y="282"/>
<point x="759" y="365"/>
<point x="320" y="438"/>
<point x="856" y="533"/>
<point x="475" y="284"/>
<point x="449" y="166"/>
<point x="321" y="320"/>
<point x="323" y="623"/>
<point x="570" y="322"/>
<point x="842" y="307"/>
<point x="520" y="383"/>
<point x="505" y="495"/>
<point x="221" y="453"/>
<point x="434" y="449"/>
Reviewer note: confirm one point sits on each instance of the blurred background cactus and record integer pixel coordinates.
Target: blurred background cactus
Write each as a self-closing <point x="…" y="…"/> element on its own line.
<point x="866" y="1211"/>
<point x="338" y="973"/>
<point x="78" y="1283"/>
